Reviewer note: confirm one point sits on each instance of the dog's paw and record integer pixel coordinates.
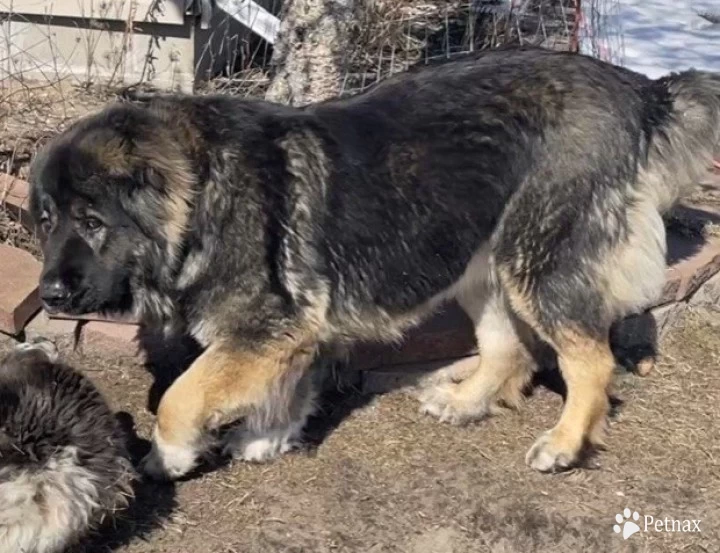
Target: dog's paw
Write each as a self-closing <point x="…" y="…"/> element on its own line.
<point x="550" y="454"/>
<point x="168" y="462"/>
<point x="245" y="445"/>
<point x="445" y="403"/>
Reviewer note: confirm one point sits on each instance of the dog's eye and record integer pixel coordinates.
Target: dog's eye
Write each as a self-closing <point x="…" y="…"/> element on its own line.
<point x="92" y="224"/>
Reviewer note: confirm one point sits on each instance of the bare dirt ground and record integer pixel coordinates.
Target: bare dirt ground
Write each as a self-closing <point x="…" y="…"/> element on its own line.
<point x="386" y="479"/>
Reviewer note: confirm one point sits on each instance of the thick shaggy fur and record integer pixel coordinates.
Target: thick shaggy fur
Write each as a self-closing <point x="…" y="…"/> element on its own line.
<point x="63" y="465"/>
<point x="528" y="185"/>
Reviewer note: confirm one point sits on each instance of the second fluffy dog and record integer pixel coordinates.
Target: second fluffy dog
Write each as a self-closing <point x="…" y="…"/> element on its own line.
<point x="63" y="461"/>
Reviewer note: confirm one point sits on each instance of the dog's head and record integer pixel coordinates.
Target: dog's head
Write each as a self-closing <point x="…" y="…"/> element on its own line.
<point x="105" y="192"/>
<point x="27" y="362"/>
<point x="28" y="365"/>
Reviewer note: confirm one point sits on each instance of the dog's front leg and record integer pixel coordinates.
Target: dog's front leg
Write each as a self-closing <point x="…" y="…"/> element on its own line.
<point x="231" y="379"/>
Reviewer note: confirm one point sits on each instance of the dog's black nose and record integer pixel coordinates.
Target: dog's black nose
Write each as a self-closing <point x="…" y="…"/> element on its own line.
<point x="54" y="294"/>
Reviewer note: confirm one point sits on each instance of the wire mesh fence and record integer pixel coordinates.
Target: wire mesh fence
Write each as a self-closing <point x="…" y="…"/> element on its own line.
<point x="392" y="35"/>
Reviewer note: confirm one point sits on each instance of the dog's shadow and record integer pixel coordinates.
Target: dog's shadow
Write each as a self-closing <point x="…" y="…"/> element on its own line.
<point x="340" y="395"/>
<point x="153" y="502"/>
<point x="149" y="510"/>
<point x="166" y="358"/>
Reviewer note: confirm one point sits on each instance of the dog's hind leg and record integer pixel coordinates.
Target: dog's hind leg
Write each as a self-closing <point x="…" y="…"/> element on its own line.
<point x="505" y="367"/>
<point x="586" y="363"/>
<point x="228" y="381"/>
<point x="571" y="296"/>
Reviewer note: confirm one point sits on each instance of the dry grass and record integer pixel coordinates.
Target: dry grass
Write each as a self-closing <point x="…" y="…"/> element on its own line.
<point x="391" y="35"/>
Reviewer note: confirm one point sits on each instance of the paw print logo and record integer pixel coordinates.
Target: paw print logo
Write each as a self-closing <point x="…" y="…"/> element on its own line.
<point x="628" y="526"/>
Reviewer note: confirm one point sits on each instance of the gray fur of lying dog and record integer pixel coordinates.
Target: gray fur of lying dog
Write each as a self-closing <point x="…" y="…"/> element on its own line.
<point x="63" y="464"/>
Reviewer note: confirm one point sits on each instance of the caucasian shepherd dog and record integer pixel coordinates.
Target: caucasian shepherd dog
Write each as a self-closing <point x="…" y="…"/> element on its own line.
<point x="63" y="463"/>
<point x="527" y="185"/>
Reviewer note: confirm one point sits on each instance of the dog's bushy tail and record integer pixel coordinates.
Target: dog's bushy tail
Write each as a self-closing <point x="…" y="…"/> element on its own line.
<point x="686" y="142"/>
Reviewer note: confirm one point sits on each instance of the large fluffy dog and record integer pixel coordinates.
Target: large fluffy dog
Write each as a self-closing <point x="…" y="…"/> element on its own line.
<point x="526" y="184"/>
<point x="63" y="463"/>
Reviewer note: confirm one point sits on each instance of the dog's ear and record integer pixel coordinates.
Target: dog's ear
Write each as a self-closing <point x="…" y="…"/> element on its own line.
<point x="147" y="177"/>
<point x="126" y="119"/>
<point x="147" y="145"/>
<point x="134" y="131"/>
<point x="25" y="367"/>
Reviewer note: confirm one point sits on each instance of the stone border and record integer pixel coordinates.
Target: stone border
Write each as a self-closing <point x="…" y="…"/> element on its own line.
<point x="19" y="301"/>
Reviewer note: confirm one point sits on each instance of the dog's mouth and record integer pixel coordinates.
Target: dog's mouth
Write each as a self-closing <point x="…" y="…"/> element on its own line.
<point x="70" y="305"/>
<point x="53" y="305"/>
<point x="86" y="301"/>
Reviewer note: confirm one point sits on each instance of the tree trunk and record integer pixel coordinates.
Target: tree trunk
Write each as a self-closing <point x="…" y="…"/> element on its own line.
<point x="309" y="59"/>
